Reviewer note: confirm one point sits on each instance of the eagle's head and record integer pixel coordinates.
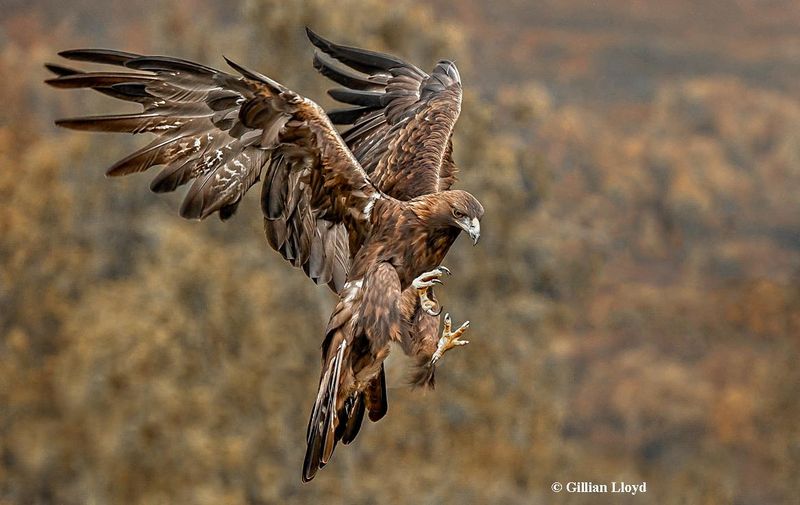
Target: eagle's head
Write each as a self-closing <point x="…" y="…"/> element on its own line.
<point x="453" y="209"/>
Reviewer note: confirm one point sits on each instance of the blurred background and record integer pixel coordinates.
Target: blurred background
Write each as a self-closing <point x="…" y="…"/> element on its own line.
<point x="635" y="298"/>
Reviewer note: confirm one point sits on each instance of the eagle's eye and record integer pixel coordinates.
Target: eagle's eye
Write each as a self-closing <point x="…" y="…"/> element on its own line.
<point x="457" y="214"/>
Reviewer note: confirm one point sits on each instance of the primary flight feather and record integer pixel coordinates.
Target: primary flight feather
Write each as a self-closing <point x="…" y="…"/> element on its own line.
<point x="369" y="212"/>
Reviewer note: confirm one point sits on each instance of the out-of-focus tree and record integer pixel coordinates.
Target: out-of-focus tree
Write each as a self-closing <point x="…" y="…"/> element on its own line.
<point x="634" y="297"/>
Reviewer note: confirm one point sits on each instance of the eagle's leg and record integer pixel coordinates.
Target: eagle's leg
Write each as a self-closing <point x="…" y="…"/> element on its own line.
<point x="449" y="339"/>
<point x="424" y="286"/>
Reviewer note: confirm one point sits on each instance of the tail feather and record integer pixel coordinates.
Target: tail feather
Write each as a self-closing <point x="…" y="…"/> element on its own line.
<point x="329" y="425"/>
<point x="329" y="440"/>
<point x="377" y="402"/>
<point x="321" y="436"/>
<point x="354" y="413"/>
<point x="311" y="461"/>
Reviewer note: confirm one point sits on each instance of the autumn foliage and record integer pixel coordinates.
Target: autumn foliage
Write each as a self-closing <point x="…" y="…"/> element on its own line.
<point x="635" y="297"/>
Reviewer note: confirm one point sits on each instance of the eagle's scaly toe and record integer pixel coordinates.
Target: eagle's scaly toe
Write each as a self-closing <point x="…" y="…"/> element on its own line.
<point x="449" y="339"/>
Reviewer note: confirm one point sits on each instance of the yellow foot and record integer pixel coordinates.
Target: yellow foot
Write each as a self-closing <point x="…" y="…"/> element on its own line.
<point x="449" y="339"/>
<point x="424" y="286"/>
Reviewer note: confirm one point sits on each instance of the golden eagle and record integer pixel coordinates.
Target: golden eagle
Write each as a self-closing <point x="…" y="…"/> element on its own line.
<point x="368" y="212"/>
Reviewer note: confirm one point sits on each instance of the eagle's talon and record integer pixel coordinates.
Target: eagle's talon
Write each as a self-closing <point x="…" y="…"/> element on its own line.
<point x="424" y="284"/>
<point x="435" y="313"/>
<point x="420" y="284"/>
<point x="449" y="339"/>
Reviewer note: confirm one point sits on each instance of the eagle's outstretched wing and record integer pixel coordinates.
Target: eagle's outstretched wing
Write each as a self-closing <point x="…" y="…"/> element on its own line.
<point x="223" y="133"/>
<point x="395" y="106"/>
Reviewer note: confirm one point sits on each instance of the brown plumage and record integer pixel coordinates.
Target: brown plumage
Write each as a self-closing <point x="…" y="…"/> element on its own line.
<point x="397" y="105"/>
<point x="365" y="212"/>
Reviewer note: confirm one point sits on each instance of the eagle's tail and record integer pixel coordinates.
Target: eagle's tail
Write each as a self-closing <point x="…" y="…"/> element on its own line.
<point x="377" y="403"/>
<point x="373" y="399"/>
<point x="327" y="425"/>
<point x="321" y="434"/>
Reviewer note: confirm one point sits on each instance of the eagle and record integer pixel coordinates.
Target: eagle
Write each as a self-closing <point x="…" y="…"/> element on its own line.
<point x="366" y="209"/>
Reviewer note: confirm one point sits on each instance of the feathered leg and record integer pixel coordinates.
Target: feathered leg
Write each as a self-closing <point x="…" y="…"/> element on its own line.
<point x="424" y="342"/>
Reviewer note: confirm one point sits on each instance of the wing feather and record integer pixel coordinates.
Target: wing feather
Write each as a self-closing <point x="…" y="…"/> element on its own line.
<point x="362" y="60"/>
<point x="348" y="78"/>
<point x="400" y="129"/>
<point x="223" y="133"/>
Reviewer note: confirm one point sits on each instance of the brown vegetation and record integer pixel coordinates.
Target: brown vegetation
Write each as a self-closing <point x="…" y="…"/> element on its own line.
<point x="635" y="298"/>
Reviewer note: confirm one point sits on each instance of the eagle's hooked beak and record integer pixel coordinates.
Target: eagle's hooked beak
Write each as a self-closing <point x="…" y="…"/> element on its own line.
<point x="472" y="227"/>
